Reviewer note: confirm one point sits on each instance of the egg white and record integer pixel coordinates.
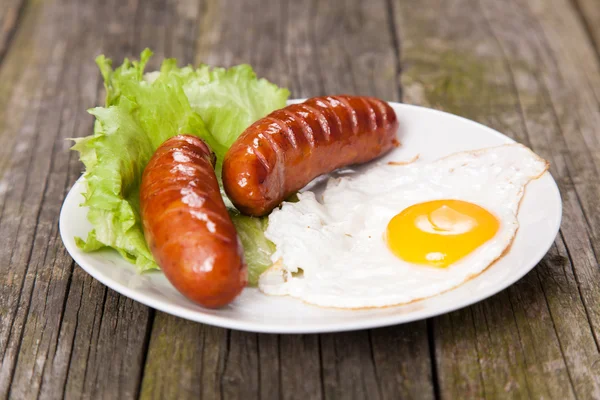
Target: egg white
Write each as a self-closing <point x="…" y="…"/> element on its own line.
<point x="331" y="251"/>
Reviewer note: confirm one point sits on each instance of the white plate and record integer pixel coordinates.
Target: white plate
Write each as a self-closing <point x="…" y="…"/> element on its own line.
<point x="430" y="133"/>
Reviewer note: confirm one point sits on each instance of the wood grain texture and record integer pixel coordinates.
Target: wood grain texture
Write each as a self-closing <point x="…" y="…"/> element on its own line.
<point x="313" y="48"/>
<point x="589" y="11"/>
<point x="499" y="65"/>
<point x="62" y="333"/>
<point x="192" y="367"/>
<point x="10" y="16"/>
<point x="526" y="68"/>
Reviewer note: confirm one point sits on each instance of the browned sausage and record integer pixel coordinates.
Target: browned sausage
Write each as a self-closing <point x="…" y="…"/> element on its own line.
<point x="187" y="226"/>
<point x="284" y="151"/>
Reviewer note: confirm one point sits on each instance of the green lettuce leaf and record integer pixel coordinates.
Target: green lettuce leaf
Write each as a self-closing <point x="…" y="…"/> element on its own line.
<point x="141" y="112"/>
<point x="257" y="248"/>
<point x="228" y="100"/>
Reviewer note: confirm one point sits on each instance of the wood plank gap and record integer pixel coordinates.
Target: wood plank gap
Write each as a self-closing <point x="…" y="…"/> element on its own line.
<point x="145" y="347"/>
<point x="587" y="314"/>
<point x="283" y="20"/>
<point x="313" y="38"/>
<point x="89" y="350"/>
<point x="589" y="32"/>
<point x="62" y="315"/>
<point x="321" y="369"/>
<point x="64" y="387"/>
<point x="372" y="352"/>
<point x="64" y="305"/>
<point x="479" y="358"/>
<point x="225" y="360"/>
<point x="62" y="310"/>
<point x="397" y="49"/>
<point x="21" y="10"/>
<point x="560" y="345"/>
<point x="137" y="30"/>
<point x="514" y="315"/>
<point x="259" y="370"/>
<point x="168" y="32"/>
<point x="294" y="79"/>
<point x="280" y="374"/>
<point x="432" y="359"/>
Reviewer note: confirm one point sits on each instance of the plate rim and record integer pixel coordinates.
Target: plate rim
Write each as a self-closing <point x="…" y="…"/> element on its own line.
<point x="308" y="328"/>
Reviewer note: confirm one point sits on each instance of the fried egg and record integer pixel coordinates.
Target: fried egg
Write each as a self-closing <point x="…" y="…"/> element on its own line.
<point x="399" y="232"/>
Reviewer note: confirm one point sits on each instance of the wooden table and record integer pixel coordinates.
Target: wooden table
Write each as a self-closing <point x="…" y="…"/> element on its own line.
<point x="529" y="68"/>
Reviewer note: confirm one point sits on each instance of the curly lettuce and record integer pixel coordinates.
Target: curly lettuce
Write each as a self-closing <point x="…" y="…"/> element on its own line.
<point x="142" y="110"/>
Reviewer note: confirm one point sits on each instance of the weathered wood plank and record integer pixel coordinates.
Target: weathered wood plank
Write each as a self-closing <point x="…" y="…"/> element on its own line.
<point x="10" y="15"/>
<point x="349" y="367"/>
<point x="440" y="72"/>
<point x="23" y="188"/>
<point x="353" y="52"/>
<point x="589" y="11"/>
<point x="182" y="369"/>
<point x="569" y="88"/>
<point x="232" y="364"/>
<point x="62" y="333"/>
<point x="313" y="48"/>
<point x="49" y="265"/>
<point x="457" y="358"/>
<point x="16" y="73"/>
<point x="210" y="362"/>
<point x="498" y="65"/>
<point x="401" y="359"/>
<point x="573" y="90"/>
<point x="300" y="367"/>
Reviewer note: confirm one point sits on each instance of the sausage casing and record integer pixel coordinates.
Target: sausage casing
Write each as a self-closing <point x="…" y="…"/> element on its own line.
<point x="186" y="224"/>
<point x="283" y="152"/>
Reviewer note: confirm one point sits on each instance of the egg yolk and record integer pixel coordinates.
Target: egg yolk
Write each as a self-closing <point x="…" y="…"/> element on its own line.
<point x="439" y="232"/>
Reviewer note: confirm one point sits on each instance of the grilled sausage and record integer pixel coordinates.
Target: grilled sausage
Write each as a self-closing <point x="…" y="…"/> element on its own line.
<point x="284" y="151"/>
<point x="187" y="226"/>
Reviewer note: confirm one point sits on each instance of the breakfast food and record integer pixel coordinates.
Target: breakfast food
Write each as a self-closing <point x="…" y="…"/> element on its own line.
<point x="141" y="111"/>
<point x="186" y="223"/>
<point x="399" y="233"/>
<point x="284" y="151"/>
